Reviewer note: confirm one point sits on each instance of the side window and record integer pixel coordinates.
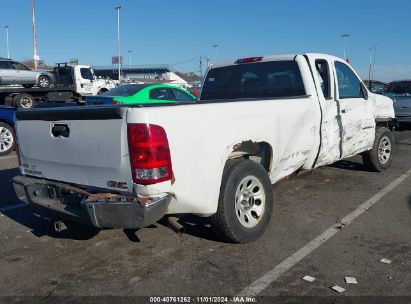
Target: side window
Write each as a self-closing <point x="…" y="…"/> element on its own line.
<point x="5" y="65"/>
<point x="324" y="77"/>
<point x="161" y="94"/>
<point x="349" y="86"/>
<point x="181" y="96"/>
<point x="86" y="74"/>
<point x="19" y="66"/>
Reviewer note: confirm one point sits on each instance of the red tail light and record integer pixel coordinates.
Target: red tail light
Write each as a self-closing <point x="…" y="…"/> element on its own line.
<point x="249" y="59"/>
<point x="149" y="154"/>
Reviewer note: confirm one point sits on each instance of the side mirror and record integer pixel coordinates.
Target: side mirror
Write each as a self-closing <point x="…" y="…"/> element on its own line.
<point x="364" y="91"/>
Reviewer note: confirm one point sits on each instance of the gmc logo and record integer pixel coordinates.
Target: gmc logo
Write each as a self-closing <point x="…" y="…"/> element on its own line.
<point x="118" y="185"/>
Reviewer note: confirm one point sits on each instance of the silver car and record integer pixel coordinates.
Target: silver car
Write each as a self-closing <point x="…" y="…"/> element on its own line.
<point x="13" y="72"/>
<point x="400" y="92"/>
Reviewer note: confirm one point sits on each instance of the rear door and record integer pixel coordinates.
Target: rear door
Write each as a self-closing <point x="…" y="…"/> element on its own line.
<point x="356" y="111"/>
<point x="331" y="126"/>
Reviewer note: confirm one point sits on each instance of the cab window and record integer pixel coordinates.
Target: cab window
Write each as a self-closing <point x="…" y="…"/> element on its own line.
<point x="86" y="74"/>
<point x="349" y="86"/>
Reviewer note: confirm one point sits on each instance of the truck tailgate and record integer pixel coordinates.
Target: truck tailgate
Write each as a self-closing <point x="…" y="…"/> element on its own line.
<point x="84" y="146"/>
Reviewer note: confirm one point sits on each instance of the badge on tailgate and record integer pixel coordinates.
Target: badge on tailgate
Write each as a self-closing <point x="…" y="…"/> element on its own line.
<point x="118" y="185"/>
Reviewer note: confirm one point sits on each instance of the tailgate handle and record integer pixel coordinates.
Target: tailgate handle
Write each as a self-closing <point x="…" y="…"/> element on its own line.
<point x="60" y="130"/>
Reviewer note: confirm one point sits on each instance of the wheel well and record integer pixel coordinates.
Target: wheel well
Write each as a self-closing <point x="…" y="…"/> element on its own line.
<point x="260" y="152"/>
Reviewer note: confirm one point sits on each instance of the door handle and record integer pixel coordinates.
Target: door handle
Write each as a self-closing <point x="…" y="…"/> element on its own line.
<point x="60" y="130"/>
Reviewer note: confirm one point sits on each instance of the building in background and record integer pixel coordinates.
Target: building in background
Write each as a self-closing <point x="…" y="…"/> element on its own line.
<point x="146" y="74"/>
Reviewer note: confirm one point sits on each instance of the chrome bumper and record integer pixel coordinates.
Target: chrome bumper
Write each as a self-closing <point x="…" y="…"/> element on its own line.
<point x="102" y="210"/>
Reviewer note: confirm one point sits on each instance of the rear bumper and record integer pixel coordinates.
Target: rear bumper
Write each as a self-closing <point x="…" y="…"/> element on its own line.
<point x="101" y="210"/>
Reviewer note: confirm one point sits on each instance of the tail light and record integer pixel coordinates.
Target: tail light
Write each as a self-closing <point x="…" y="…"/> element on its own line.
<point x="149" y="154"/>
<point x="115" y="102"/>
<point x="249" y="60"/>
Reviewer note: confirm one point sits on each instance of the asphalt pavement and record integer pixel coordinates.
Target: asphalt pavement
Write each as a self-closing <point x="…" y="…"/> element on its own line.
<point x="330" y="223"/>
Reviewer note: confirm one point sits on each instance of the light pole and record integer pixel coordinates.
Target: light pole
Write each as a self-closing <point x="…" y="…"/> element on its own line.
<point x="7" y="40"/>
<point x="345" y="37"/>
<point x="118" y="8"/>
<point x="215" y="46"/>
<point x="129" y="57"/>
<point x="35" y="55"/>
<point x="369" y="69"/>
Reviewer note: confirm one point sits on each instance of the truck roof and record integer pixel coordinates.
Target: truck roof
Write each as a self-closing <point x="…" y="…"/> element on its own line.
<point x="266" y="58"/>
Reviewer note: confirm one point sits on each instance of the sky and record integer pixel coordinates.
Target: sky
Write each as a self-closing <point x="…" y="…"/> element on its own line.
<point x="177" y="32"/>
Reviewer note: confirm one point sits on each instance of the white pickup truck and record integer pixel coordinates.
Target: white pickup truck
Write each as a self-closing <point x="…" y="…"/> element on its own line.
<point x="257" y="120"/>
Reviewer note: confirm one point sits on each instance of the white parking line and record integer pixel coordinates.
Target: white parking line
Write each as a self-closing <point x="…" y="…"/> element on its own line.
<point x="263" y="282"/>
<point x="8" y="157"/>
<point x="12" y="207"/>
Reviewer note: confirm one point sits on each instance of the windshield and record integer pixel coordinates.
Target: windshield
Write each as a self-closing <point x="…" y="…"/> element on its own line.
<point x="399" y="88"/>
<point x="254" y="80"/>
<point x="125" y="90"/>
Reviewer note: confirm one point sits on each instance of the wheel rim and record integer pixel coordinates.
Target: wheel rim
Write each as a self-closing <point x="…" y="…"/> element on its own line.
<point x="6" y="139"/>
<point x="249" y="201"/>
<point x="384" y="150"/>
<point x="44" y="82"/>
<point x="26" y="102"/>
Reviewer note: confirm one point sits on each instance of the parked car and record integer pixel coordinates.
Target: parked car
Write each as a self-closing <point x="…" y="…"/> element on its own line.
<point x="257" y="121"/>
<point x="140" y="94"/>
<point x="400" y="92"/>
<point x="375" y="86"/>
<point x="13" y="72"/>
<point x="7" y="140"/>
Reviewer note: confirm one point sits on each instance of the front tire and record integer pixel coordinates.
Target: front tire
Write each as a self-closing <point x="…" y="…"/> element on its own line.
<point x="379" y="157"/>
<point x="7" y="141"/>
<point x="245" y="204"/>
<point x="43" y="81"/>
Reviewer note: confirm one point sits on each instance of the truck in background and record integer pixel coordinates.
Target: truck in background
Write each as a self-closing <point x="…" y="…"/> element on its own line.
<point x="72" y="84"/>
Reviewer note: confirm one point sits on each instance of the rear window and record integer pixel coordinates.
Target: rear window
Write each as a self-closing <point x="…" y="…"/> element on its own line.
<point x="125" y="90"/>
<point x="399" y="88"/>
<point x="254" y="80"/>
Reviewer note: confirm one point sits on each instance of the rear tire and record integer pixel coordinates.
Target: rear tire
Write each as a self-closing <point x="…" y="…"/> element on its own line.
<point x="379" y="157"/>
<point x="7" y="139"/>
<point x="24" y="101"/>
<point x="43" y="81"/>
<point x="245" y="204"/>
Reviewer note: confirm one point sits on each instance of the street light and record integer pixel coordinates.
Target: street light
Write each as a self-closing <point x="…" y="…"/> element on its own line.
<point x="35" y="55"/>
<point x="215" y="46"/>
<point x="129" y="57"/>
<point x="118" y="8"/>
<point x="345" y="37"/>
<point x="7" y="40"/>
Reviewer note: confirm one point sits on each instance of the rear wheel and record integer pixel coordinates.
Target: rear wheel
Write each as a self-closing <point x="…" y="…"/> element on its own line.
<point x="245" y="203"/>
<point x="43" y="81"/>
<point x="25" y="101"/>
<point x="7" y="141"/>
<point x="379" y="157"/>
